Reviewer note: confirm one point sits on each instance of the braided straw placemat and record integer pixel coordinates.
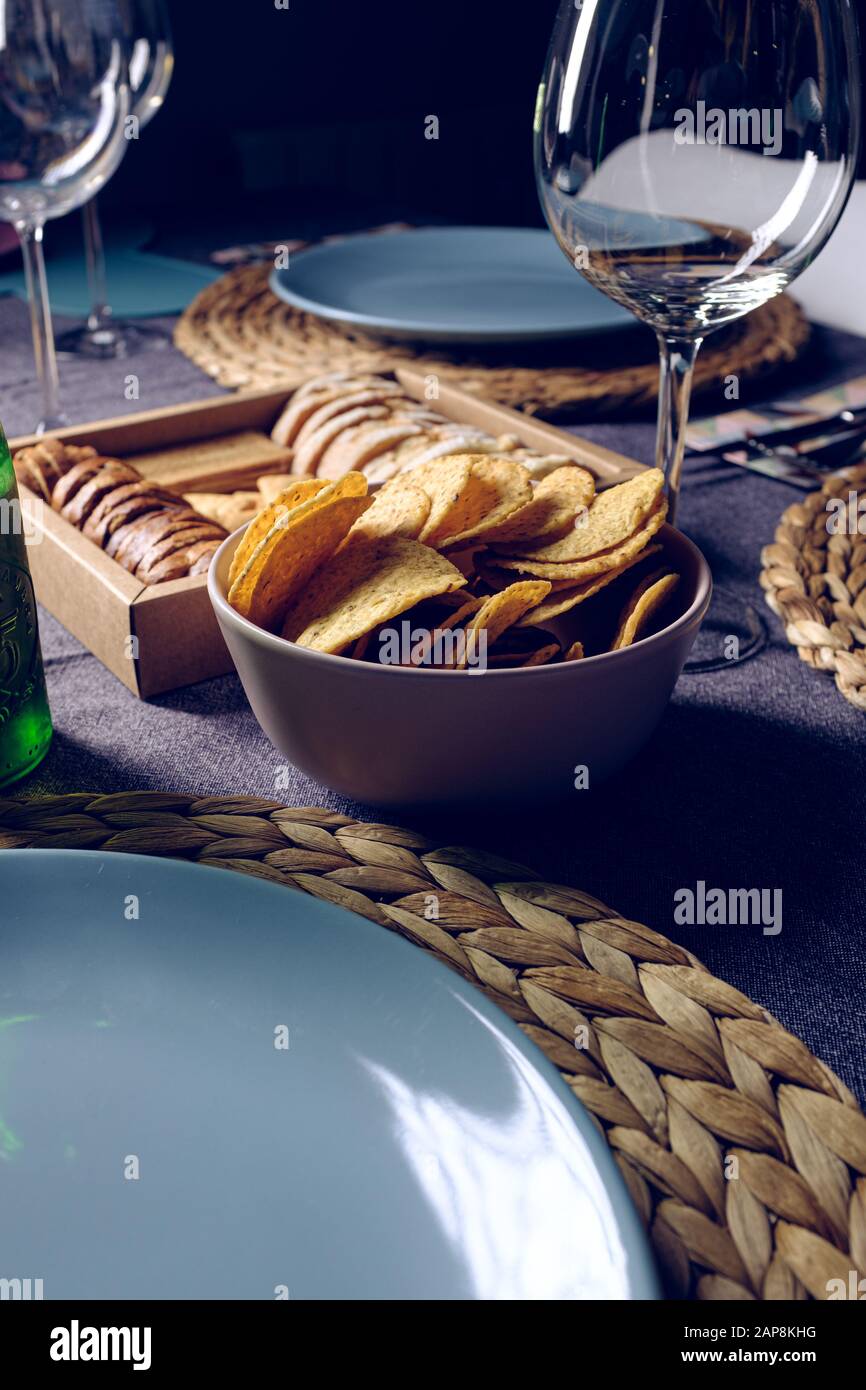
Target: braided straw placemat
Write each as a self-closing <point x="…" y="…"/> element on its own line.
<point x="743" y="1153"/>
<point x="241" y="334"/>
<point x="814" y="577"/>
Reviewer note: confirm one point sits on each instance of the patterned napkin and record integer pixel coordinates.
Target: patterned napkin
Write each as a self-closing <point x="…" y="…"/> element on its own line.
<point x="717" y="432"/>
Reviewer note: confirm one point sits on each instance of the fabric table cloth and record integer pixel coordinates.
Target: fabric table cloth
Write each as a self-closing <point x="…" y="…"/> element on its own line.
<point x="755" y="779"/>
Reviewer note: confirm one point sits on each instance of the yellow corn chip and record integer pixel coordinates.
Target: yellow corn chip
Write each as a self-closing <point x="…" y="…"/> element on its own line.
<point x="367" y="583"/>
<point x="293" y="550"/>
<point x="399" y="512"/>
<point x="645" y="602"/>
<point x="456" y="498"/>
<point x="614" y="516"/>
<point x="460" y="614"/>
<point x="556" y="502"/>
<point x="543" y="655"/>
<point x="563" y="600"/>
<point x="501" y="487"/>
<point x="501" y="611"/>
<point x="297" y="493"/>
<point x="594" y="564"/>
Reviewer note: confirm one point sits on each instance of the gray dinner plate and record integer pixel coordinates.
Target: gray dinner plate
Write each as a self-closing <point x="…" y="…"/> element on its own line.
<point x="449" y="284"/>
<point x="214" y="1087"/>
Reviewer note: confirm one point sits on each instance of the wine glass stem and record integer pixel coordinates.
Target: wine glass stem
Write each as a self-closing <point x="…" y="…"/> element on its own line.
<point x="678" y="359"/>
<point x="94" y="250"/>
<point x="30" y="236"/>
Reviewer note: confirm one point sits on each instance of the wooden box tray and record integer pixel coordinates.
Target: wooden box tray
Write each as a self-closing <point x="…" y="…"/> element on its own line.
<point x="163" y="636"/>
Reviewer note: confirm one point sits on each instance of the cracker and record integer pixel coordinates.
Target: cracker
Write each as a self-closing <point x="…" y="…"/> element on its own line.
<point x="271" y="484"/>
<point x="229" y="509"/>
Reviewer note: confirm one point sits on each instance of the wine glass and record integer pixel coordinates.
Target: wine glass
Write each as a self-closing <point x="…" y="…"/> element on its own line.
<point x="64" y="97"/>
<point x="693" y="157"/>
<point x="151" y="65"/>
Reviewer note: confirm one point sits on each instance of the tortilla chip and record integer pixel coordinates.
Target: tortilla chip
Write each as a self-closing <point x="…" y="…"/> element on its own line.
<point x="460" y="614"/>
<point x="401" y="511"/>
<point x="650" y="595"/>
<point x="501" y="611"/>
<point x="293" y="550"/>
<point x="456" y="498"/>
<point x="556" y="502"/>
<point x="367" y="583"/>
<point x="594" y="564"/>
<point x="562" y="601"/>
<point x="543" y="655"/>
<point x="502" y="488"/>
<point x="272" y="484"/>
<point x="456" y="599"/>
<point x="296" y="494"/>
<point x="614" y="516"/>
<point x="575" y="652"/>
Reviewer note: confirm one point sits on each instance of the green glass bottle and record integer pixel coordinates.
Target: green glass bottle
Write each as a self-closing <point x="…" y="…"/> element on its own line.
<point x="25" y="719"/>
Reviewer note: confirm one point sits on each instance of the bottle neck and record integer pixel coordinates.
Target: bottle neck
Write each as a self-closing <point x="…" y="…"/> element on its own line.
<point x="7" y="472"/>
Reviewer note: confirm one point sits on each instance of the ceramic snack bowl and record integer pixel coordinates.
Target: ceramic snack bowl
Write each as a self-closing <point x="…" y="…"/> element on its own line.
<point x="395" y="736"/>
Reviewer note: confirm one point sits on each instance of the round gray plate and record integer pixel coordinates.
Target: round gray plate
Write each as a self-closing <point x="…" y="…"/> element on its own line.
<point x="449" y="284"/>
<point x="155" y="1143"/>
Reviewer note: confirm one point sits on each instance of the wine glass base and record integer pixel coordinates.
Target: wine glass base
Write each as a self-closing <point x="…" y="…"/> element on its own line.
<point x="734" y="630"/>
<point x="52" y="422"/>
<point x="117" y="339"/>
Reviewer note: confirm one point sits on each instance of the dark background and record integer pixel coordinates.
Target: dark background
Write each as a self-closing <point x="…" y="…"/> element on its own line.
<point x="279" y="119"/>
<point x="274" y="115"/>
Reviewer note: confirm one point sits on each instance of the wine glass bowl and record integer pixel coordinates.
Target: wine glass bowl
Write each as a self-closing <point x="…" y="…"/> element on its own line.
<point x="64" y="100"/>
<point x="151" y="65"/>
<point x="693" y="157"/>
<point x="147" y="33"/>
<point x="63" y="103"/>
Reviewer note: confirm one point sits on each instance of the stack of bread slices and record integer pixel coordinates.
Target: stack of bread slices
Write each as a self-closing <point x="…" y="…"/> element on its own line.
<point x="152" y="532"/>
<point x="342" y="423"/>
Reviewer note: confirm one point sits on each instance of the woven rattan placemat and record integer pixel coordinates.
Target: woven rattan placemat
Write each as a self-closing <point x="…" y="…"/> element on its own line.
<point x="814" y="577"/>
<point x="241" y="334"/>
<point x="745" y="1156"/>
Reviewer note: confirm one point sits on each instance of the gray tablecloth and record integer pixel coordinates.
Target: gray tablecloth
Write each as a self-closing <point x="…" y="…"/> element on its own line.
<point x="754" y="780"/>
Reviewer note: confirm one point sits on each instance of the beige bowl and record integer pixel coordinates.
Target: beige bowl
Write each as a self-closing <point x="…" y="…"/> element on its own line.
<point x="400" y="737"/>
